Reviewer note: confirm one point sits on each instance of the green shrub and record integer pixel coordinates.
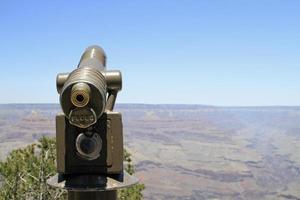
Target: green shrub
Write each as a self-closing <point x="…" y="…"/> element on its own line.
<point x="26" y="170"/>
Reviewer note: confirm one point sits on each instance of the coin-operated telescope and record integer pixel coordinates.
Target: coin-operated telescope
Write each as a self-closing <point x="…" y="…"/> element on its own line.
<point x="89" y="133"/>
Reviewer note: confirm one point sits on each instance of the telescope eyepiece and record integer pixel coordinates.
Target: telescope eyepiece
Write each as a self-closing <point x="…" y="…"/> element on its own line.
<point x="80" y="94"/>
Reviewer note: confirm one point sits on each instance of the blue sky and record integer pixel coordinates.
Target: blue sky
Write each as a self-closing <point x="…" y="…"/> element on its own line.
<point x="176" y="51"/>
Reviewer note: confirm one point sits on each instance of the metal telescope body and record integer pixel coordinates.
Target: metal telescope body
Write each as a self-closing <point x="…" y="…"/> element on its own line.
<point x="86" y="88"/>
<point x="89" y="133"/>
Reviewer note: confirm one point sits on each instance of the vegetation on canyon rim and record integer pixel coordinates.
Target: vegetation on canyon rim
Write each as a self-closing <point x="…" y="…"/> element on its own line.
<point x="26" y="170"/>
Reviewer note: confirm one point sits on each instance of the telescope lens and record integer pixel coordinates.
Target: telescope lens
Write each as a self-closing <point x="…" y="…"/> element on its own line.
<point x="80" y="95"/>
<point x="79" y="98"/>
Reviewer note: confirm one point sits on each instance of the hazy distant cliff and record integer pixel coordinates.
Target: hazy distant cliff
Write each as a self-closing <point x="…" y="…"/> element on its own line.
<point x="191" y="151"/>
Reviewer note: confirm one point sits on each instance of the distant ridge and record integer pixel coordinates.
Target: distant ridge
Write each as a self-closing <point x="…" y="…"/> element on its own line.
<point x="226" y="152"/>
<point x="163" y="106"/>
<point x="151" y="106"/>
<point x="30" y="105"/>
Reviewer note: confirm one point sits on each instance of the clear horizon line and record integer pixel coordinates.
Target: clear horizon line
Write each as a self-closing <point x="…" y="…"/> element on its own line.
<point x="174" y="104"/>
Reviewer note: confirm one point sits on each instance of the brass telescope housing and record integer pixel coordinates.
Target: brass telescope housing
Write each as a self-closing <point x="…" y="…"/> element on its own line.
<point x="89" y="133"/>
<point x="89" y="90"/>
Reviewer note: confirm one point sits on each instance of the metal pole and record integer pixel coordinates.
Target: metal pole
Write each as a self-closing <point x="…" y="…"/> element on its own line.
<point x="105" y="195"/>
